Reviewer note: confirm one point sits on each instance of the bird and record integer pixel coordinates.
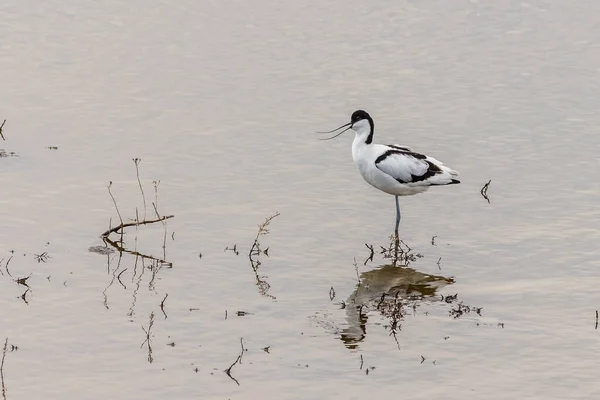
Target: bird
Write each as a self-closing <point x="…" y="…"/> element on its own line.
<point x="393" y="169"/>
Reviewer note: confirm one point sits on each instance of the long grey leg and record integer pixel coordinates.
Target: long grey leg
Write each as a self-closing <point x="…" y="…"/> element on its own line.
<point x="397" y="217"/>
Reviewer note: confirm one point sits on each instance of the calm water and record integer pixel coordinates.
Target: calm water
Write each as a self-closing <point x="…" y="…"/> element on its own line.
<point x="220" y="101"/>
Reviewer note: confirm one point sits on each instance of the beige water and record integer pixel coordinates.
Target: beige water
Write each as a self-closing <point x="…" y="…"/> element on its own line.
<point x="220" y="99"/>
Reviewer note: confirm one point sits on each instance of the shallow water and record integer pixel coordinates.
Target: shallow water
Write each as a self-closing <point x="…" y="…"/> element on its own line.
<point x="220" y="100"/>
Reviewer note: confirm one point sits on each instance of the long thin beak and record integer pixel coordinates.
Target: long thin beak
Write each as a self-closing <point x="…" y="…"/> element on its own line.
<point x="348" y="125"/>
<point x="343" y="126"/>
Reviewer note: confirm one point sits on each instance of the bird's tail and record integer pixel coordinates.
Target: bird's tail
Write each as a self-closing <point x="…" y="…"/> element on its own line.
<point x="454" y="176"/>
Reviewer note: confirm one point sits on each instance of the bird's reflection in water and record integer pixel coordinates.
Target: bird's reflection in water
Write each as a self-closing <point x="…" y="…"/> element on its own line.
<point x="391" y="290"/>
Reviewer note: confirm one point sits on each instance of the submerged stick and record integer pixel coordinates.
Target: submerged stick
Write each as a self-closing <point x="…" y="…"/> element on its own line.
<point x="484" y="190"/>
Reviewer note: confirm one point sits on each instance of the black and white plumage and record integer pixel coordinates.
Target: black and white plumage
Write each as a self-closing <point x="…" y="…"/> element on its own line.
<point x="393" y="169"/>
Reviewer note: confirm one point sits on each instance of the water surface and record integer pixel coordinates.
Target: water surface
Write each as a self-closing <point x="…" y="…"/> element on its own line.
<point x="220" y="100"/>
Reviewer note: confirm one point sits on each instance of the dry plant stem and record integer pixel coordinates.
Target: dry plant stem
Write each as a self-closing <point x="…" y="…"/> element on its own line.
<point x="262" y="230"/>
<point x="254" y="253"/>
<point x="162" y="305"/>
<point x="238" y="359"/>
<point x="137" y="162"/>
<point x="125" y="225"/>
<point x="156" y="210"/>
<point x="115" y="202"/>
<point x="155" y="204"/>
<point x="484" y="190"/>
<point x="2" y="369"/>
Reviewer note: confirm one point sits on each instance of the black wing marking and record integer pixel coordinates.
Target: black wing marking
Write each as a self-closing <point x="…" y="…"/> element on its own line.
<point x="398" y="147"/>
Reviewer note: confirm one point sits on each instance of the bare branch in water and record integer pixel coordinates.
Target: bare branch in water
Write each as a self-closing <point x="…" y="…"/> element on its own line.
<point x="255" y="252"/>
<point x="484" y="190"/>
<point x="125" y="225"/>
<point x="162" y="305"/>
<point x="238" y="359"/>
<point x="262" y="230"/>
<point x="2" y="126"/>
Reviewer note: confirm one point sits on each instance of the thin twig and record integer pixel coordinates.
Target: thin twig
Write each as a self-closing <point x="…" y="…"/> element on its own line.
<point x="155" y="204"/>
<point x="125" y="225"/>
<point x="6" y="266"/>
<point x="137" y="161"/>
<point x="156" y="210"/>
<point x="162" y="305"/>
<point x="255" y="252"/>
<point x="2" y="126"/>
<point x="484" y="190"/>
<point x="262" y="230"/>
<point x="370" y="258"/>
<point x="117" y="208"/>
<point x="238" y="359"/>
<point x="2" y="369"/>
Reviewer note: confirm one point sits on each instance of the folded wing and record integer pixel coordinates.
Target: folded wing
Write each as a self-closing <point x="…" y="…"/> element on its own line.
<point x="414" y="169"/>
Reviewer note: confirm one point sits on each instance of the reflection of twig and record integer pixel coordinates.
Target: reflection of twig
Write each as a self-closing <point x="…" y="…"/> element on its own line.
<point x="484" y="190"/>
<point x="119" y="278"/>
<point x="233" y="249"/>
<point x="148" y="340"/>
<point x="238" y="359"/>
<point x="42" y="257"/>
<point x="2" y="368"/>
<point x="2" y="126"/>
<point x="596" y="327"/>
<point x="137" y="285"/>
<point x="135" y="253"/>
<point x="113" y="278"/>
<point x="357" y="273"/>
<point x="125" y="225"/>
